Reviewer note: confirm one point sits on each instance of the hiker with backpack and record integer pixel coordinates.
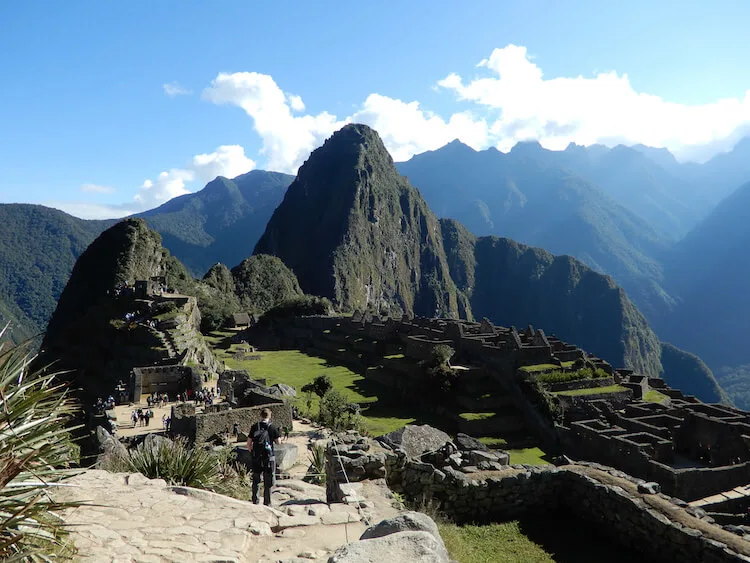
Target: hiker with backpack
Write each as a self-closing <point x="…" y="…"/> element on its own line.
<point x="260" y="443"/>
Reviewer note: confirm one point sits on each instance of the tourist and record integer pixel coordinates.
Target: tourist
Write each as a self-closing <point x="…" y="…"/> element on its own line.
<point x="235" y="430"/>
<point x="260" y="443"/>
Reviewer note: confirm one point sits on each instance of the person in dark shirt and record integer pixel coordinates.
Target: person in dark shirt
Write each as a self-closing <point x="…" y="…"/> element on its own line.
<point x="262" y="438"/>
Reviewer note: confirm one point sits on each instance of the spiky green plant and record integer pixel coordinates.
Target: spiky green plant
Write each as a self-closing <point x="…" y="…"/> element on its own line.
<point x="35" y="455"/>
<point x="317" y="457"/>
<point x="177" y="463"/>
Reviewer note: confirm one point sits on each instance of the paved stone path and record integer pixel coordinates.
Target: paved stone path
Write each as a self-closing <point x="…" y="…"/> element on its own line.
<point x="129" y="518"/>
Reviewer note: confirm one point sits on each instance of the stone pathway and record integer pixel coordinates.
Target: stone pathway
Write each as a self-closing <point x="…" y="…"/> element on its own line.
<point x="129" y="518"/>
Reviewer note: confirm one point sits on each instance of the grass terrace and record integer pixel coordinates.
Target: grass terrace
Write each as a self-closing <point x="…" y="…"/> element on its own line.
<point x="592" y="391"/>
<point x="537" y="540"/>
<point x="653" y="396"/>
<point x="564" y="376"/>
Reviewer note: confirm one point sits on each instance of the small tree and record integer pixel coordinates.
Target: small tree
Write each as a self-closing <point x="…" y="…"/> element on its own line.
<point x="320" y="386"/>
<point x="438" y="370"/>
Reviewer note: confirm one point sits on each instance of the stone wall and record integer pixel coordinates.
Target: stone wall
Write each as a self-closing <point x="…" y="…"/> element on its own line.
<point x="208" y="425"/>
<point x="162" y="379"/>
<point x="659" y="526"/>
<point x="627" y="510"/>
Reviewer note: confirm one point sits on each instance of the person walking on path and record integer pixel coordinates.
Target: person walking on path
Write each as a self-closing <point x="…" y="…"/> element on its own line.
<point x="260" y="443"/>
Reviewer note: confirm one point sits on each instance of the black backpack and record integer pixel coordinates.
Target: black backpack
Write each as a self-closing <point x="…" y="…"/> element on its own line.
<point x="262" y="448"/>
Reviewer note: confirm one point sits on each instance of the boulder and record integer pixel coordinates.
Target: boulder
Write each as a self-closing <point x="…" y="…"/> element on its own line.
<point x="465" y="443"/>
<point x="405" y="522"/>
<point x="414" y="547"/>
<point x="415" y="439"/>
<point x="109" y="445"/>
<point x="282" y="390"/>
<point x="286" y="456"/>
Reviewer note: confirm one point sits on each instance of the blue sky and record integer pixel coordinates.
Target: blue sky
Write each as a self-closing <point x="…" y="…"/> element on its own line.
<point x="107" y="108"/>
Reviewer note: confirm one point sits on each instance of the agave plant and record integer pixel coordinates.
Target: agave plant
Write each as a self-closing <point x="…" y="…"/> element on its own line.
<point x="35" y="455"/>
<point x="177" y="463"/>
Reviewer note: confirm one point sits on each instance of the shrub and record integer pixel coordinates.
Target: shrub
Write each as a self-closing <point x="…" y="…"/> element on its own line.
<point x="35" y="452"/>
<point x="441" y="378"/>
<point x="317" y="459"/>
<point x="177" y="463"/>
<point x="320" y="386"/>
<point x="562" y="376"/>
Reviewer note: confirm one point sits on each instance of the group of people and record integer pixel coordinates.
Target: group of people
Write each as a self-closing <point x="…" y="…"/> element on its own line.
<point x="102" y="405"/>
<point x="205" y="396"/>
<point x="141" y="417"/>
<point x="157" y="400"/>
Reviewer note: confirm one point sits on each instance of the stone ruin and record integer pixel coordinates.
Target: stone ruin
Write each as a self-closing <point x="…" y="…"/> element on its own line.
<point x="695" y="451"/>
<point x="170" y="379"/>
<point x="627" y="510"/>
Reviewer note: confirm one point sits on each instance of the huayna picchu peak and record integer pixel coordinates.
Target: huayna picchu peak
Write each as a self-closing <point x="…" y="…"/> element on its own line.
<point x="354" y="230"/>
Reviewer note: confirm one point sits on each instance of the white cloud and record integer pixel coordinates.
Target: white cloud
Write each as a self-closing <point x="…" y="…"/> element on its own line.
<point x="405" y="128"/>
<point x="287" y="139"/>
<point x="173" y="89"/>
<point x="295" y="102"/>
<point x="97" y="189"/>
<point x="587" y="110"/>
<point x="227" y="160"/>
<point x="88" y="210"/>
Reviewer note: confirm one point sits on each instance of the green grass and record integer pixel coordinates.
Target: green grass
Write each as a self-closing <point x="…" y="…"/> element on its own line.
<point x="545" y="367"/>
<point x="476" y="415"/>
<point x="592" y="391"/>
<point x="528" y="456"/>
<point x="493" y="442"/>
<point x="539" y="367"/>
<point x="495" y="542"/>
<point x="542" y="539"/>
<point x="653" y="396"/>
<point x="296" y="369"/>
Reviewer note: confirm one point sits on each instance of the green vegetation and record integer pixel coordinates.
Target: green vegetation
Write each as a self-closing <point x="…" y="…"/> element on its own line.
<point x="688" y="373"/>
<point x="297" y="369"/>
<point x="653" y="396"/>
<point x="220" y="223"/>
<point x="440" y="377"/>
<point x="38" y="248"/>
<point x="592" y="391"/>
<point x="477" y="415"/>
<point x="554" y="538"/>
<point x="262" y="282"/>
<point x="175" y="462"/>
<point x="528" y="456"/>
<point x="35" y="449"/>
<point x="563" y="376"/>
<point x="495" y="542"/>
<point x="492" y="442"/>
<point x="538" y="368"/>
<point x="317" y="457"/>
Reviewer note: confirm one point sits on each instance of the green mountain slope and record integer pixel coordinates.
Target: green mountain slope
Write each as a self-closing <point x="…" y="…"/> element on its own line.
<point x="38" y="247"/>
<point x="531" y="196"/>
<point x="220" y="223"/>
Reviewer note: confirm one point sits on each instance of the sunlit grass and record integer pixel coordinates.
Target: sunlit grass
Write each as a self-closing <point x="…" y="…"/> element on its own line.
<point x="592" y="391"/>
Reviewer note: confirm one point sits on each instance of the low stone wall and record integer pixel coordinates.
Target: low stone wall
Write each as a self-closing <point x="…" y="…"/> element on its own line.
<point x="659" y="526"/>
<point x="580" y="384"/>
<point x="211" y="424"/>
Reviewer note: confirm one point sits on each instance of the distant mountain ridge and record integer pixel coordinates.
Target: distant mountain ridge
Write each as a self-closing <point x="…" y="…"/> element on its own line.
<point x="220" y="223"/>
<point x="527" y="195"/>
